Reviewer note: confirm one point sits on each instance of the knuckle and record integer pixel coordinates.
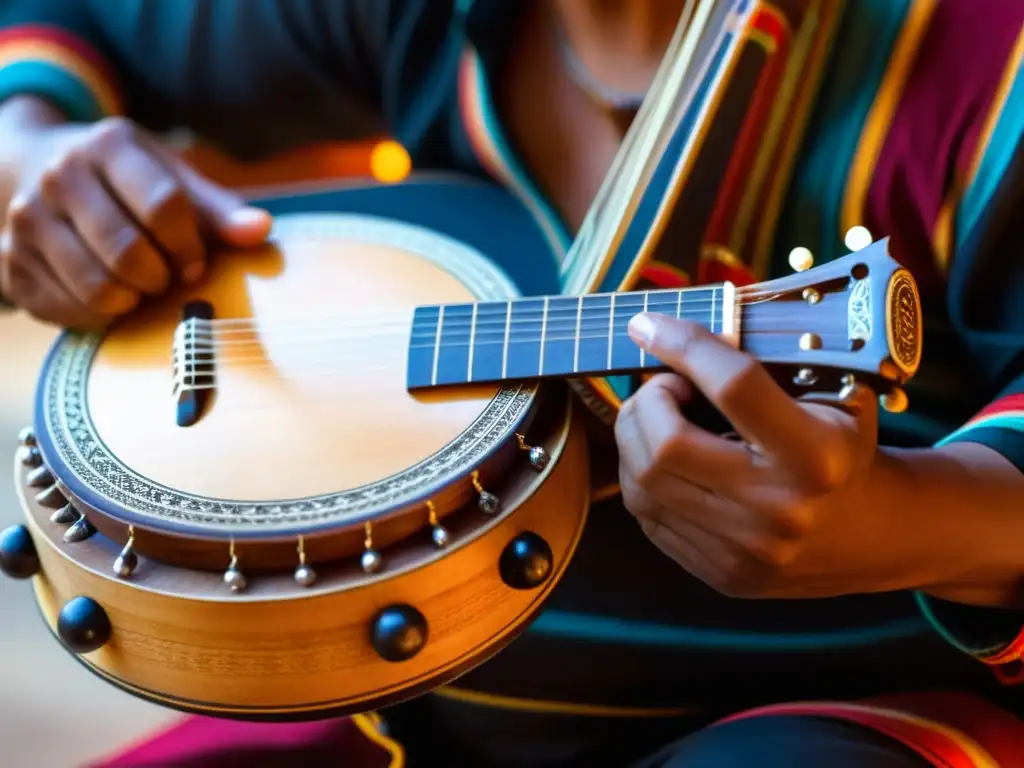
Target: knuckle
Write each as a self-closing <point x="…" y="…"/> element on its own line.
<point x="21" y="215"/>
<point x="112" y="132"/>
<point x="793" y="522"/>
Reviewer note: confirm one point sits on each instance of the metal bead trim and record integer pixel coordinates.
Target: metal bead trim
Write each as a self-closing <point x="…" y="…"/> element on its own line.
<point x="31" y="457"/>
<point x="487" y="501"/>
<point x="65" y="515"/>
<point x="233" y="576"/>
<point x="438" y="533"/>
<point x="127" y="561"/>
<point x="305" y="576"/>
<point x="539" y="458"/>
<point x="849" y="389"/>
<point x="371" y="561"/>
<point x="80" y="531"/>
<point x="27" y="437"/>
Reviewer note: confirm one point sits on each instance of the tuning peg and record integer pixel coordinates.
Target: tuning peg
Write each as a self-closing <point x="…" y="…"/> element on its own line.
<point x="857" y="238"/>
<point x="801" y="259"/>
<point x="895" y="401"/>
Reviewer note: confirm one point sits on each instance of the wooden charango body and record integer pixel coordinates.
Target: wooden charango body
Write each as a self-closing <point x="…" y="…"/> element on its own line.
<point x="320" y="540"/>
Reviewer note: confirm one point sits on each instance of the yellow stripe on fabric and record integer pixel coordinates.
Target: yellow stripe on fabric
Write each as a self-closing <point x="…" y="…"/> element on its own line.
<point x="370" y="724"/>
<point x="943" y="234"/>
<point x="876" y="128"/>
<point x="62" y="57"/>
<point x="556" y="707"/>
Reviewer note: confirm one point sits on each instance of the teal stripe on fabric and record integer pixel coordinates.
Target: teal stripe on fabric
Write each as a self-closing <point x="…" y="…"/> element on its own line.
<point x="1006" y="137"/>
<point x="50" y="82"/>
<point x="867" y="34"/>
<point x="923" y="602"/>
<point x="605" y="629"/>
<point x="1008" y="421"/>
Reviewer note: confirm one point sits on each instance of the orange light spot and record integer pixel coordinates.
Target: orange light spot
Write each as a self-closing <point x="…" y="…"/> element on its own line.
<point x="389" y="162"/>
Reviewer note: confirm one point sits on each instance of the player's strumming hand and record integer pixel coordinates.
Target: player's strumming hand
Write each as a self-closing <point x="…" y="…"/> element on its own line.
<point x="105" y="216"/>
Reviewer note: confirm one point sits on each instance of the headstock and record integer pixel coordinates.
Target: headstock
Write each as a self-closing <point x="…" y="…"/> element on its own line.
<point x="858" y="316"/>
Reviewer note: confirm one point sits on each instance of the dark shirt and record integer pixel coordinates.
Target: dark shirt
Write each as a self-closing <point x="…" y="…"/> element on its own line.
<point x="915" y="134"/>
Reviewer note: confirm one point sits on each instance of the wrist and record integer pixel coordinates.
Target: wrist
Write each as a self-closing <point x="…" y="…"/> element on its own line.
<point x="961" y="506"/>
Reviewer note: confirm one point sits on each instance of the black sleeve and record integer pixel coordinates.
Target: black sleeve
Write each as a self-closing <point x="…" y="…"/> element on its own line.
<point x="254" y="76"/>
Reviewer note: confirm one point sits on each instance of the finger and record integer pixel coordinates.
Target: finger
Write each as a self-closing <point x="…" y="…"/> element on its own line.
<point x="158" y="202"/>
<point x="34" y="287"/>
<point x="81" y="273"/>
<point x="105" y="228"/>
<point x="682" y="448"/>
<point x="757" y="407"/>
<point x="226" y="215"/>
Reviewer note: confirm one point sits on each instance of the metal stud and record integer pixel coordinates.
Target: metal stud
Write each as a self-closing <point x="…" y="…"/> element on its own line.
<point x="487" y="501"/>
<point x="849" y="389"/>
<point x="80" y="531"/>
<point x="811" y="296"/>
<point x="127" y="561"/>
<point x="40" y="477"/>
<point x="51" y="497"/>
<point x="805" y="377"/>
<point x="438" y="533"/>
<point x="65" y="515"/>
<point x="31" y="457"/>
<point x="371" y="561"/>
<point x="27" y="436"/>
<point x="539" y="458"/>
<point x="233" y="576"/>
<point x="305" y="576"/>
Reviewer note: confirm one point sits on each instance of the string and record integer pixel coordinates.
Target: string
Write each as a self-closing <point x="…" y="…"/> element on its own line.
<point x="355" y="359"/>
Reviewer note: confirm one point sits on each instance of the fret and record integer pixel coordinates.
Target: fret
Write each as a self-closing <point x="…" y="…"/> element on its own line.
<point x="420" y="360"/>
<point x="490" y="339"/>
<point x="662" y="303"/>
<point x="595" y="322"/>
<point x="451" y="360"/>
<point x="560" y="342"/>
<point x="643" y="352"/>
<point x="523" y="352"/>
<point x="625" y="354"/>
<point x="543" y="336"/>
<point x="472" y="342"/>
<point x="508" y="331"/>
<point x="437" y="344"/>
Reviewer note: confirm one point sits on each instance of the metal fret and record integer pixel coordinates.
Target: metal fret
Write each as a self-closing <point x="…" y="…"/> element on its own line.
<point x="611" y="331"/>
<point x="437" y="345"/>
<point x="543" y="336"/>
<point x="576" y="345"/>
<point x="472" y="341"/>
<point x="643" y="361"/>
<point x="508" y="329"/>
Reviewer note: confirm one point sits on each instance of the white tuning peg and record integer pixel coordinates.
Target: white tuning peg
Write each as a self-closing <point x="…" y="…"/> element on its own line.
<point x="857" y="238"/>
<point x="801" y="259"/>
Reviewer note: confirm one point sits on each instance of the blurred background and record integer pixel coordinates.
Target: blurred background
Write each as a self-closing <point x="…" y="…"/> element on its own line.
<point x="53" y="713"/>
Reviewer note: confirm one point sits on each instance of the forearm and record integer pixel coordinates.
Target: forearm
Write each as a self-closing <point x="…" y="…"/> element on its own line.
<point x="963" y="507"/>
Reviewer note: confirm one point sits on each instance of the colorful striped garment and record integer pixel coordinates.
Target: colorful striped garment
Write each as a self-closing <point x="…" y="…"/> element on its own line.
<point x="916" y="134"/>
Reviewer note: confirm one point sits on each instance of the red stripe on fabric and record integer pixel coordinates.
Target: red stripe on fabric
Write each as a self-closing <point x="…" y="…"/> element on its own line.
<point x="61" y="37"/>
<point x="941" y="114"/>
<point x="750" y="138"/>
<point x="1002" y="405"/>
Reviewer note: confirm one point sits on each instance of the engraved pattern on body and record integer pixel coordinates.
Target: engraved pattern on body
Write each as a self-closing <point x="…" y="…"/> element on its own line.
<point x="75" y="438"/>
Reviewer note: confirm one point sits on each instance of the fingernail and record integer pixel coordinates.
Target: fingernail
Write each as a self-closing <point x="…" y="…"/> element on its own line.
<point x="641" y="329"/>
<point x="248" y="217"/>
<point x="193" y="272"/>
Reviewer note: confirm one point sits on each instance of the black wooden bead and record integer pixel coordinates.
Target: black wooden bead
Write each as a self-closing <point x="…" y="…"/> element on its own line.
<point x="398" y="633"/>
<point x="526" y="561"/>
<point x="83" y="625"/>
<point x="18" y="556"/>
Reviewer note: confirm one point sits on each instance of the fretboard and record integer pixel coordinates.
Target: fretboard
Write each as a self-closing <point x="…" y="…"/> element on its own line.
<point x="553" y="336"/>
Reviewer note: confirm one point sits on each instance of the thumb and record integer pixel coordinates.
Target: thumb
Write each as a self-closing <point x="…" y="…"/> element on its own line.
<point x="226" y="215"/>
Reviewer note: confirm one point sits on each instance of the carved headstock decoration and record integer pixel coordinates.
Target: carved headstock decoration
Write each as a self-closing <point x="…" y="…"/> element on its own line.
<point x="858" y="316"/>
